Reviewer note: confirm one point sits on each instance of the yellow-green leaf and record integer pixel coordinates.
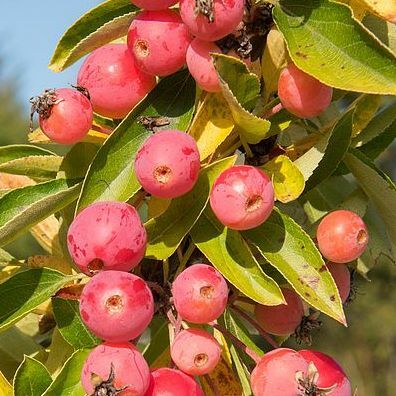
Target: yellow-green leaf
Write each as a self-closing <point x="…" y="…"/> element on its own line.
<point x="384" y="8"/>
<point x="5" y="387"/>
<point x="366" y="107"/>
<point x="286" y="177"/>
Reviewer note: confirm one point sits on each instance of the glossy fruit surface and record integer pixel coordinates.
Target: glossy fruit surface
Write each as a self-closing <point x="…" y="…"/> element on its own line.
<point x="200" y="64"/>
<point x="169" y="382"/>
<point x="342" y="278"/>
<point x="195" y="351"/>
<point x="116" y="306"/>
<point x="154" y="5"/>
<point x="275" y="374"/>
<point x="114" y="82"/>
<point x="200" y="294"/>
<point x="70" y="117"/>
<point x="282" y="319"/>
<point x="158" y="41"/>
<point x="129" y="368"/>
<point x="107" y="236"/>
<point x="226" y="16"/>
<point x="342" y="236"/>
<point x="302" y="94"/>
<point x="168" y="163"/>
<point x="242" y="197"/>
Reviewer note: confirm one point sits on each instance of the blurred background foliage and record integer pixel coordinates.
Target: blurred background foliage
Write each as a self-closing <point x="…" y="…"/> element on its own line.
<point x="366" y="349"/>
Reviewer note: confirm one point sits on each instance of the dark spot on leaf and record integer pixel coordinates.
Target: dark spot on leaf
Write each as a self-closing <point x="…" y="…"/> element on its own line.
<point x="332" y="298"/>
<point x="301" y="55"/>
<point x="322" y="268"/>
<point x="307" y="294"/>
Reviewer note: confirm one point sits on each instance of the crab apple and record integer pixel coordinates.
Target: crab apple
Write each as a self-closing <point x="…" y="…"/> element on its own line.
<point x="342" y="236"/>
<point x="166" y="382"/>
<point x="158" y="41"/>
<point x="330" y="375"/>
<point x="167" y="165"/>
<point x="116" y="306"/>
<point x="65" y="114"/>
<point x="302" y="94"/>
<point x="282" y="319"/>
<point x="215" y="23"/>
<point x="242" y="197"/>
<point x="200" y="294"/>
<point x="107" y="236"/>
<point x="195" y="351"/>
<point x="200" y="64"/>
<point x="275" y="374"/>
<point x="114" y="82"/>
<point x="342" y="278"/>
<point x="112" y="369"/>
<point x="154" y="5"/>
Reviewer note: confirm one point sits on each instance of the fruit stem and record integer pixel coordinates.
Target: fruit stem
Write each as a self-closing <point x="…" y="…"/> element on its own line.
<point x="165" y="270"/>
<point x="276" y="109"/>
<point x="270" y="105"/>
<point x="186" y="257"/>
<point x="261" y="331"/>
<point x="237" y="342"/>
<point x="246" y="146"/>
<point x="138" y="199"/>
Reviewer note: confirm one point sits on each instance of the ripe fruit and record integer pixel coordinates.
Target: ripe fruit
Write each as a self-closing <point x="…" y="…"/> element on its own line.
<point x="154" y="5"/>
<point x="167" y="165"/>
<point x="342" y="278"/>
<point x="200" y="64"/>
<point x="158" y="41"/>
<point x="113" y="80"/>
<point x="195" y="351"/>
<point x="342" y="236"/>
<point x="302" y="94"/>
<point x="130" y="370"/>
<point x="200" y="294"/>
<point x="65" y="114"/>
<point x="217" y="22"/>
<point x="282" y="319"/>
<point x="166" y="381"/>
<point x="242" y="197"/>
<point x="107" y="236"/>
<point x="330" y="374"/>
<point x="275" y="374"/>
<point x="116" y="306"/>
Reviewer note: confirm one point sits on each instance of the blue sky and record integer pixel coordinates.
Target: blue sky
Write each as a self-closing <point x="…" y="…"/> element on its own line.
<point x="29" y="31"/>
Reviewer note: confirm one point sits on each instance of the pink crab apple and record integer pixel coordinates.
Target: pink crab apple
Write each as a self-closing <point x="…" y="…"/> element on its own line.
<point x="331" y="375"/>
<point x="114" y="82"/>
<point x="200" y="294"/>
<point x="168" y="163"/>
<point x="116" y="306"/>
<point x="195" y="351"/>
<point x="276" y="372"/>
<point x="302" y="94"/>
<point x="242" y="197"/>
<point x="342" y="236"/>
<point x="282" y="319"/>
<point x="200" y="64"/>
<point x="154" y="5"/>
<point x="158" y="41"/>
<point x="115" y="367"/>
<point x="166" y="381"/>
<point x="221" y="20"/>
<point x="68" y="116"/>
<point x="107" y="236"/>
<point x="342" y="278"/>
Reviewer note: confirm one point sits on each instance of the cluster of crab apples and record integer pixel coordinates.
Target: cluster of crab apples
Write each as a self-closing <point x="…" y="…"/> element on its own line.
<point x="107" y="240"/>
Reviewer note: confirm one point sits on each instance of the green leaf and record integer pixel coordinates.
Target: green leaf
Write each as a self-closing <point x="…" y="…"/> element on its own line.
<point x="111" y="175"/>
<point x="167" y="231"/>
<point x="384" y="30"/>
<point x="286" y="177"/>
<point x="24" y="207"/>
<point x="68" y="381"/>
<point x="377" y="186"/>
<point x="240" y="88"/>
<point x="318" y="163"/>
<point x="287" y="247"/>
<point x="230" y="254"/>
<point x="29" y="161"/>
<point x="108" y="21"/>
<point x="25" y="291"/>
<point x="366" y="107"/>
<point x="31" y="379"/>
<point x="325" y="41"/>
<point x="159" y="340"/>
<point x="73" y="330"/>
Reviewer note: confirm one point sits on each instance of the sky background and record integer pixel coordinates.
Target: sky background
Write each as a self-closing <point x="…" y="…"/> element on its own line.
<point x="29" y="31"/>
